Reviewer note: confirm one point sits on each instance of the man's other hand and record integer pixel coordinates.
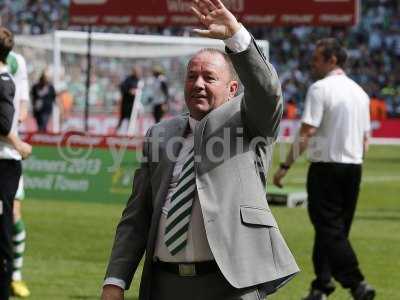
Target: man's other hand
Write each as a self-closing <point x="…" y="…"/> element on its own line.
<point x="24" y="149"/>
<point x="278" y="176"/>
<point x="112" y="292"/>
<point x="219" y="21"/>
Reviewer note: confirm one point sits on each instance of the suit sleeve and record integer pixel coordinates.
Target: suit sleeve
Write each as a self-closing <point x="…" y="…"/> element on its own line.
<point x="7" y="91"/>
<point x="132" y="230"/>
<point x="262" y="104"/>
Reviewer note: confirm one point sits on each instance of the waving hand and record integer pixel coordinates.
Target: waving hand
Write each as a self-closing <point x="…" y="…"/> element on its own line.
<point x="219" y="22"/>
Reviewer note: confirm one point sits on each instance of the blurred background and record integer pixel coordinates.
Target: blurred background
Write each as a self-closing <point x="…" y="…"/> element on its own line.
<point x="373" y="45"/>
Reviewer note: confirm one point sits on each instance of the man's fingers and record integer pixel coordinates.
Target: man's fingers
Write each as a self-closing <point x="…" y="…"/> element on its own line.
<point x="278" y="183"/>
<point x="278" y="180"/>
<point x="203" y="7"/>
<point x="202" y="32"/>
<point x="218" y="3"/>
<point x="211" y="5"/>
<point x="198" y="14"/>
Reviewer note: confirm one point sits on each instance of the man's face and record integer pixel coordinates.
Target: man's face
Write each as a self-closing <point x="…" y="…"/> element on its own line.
<point x="319" y="66"/>
<point x="208" y="84"/>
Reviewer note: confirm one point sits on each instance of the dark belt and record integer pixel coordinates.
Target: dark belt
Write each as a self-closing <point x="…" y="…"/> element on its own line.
<point x="188" y="269"/>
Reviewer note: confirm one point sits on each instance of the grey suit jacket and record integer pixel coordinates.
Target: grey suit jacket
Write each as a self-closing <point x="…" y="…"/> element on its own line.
<point x="241" y="230"/>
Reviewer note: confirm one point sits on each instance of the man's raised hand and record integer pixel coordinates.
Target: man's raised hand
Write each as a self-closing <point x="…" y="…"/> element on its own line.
<point x="220" y="23"/>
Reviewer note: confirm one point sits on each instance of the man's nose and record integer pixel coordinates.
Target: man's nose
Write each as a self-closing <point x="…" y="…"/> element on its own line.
<point x="199" y="83"/>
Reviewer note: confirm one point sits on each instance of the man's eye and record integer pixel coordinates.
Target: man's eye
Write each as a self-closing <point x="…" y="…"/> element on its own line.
<point x="210" y="78"/>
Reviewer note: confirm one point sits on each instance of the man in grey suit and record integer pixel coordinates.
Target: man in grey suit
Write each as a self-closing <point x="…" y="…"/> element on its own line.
<point x="198" y="209"/>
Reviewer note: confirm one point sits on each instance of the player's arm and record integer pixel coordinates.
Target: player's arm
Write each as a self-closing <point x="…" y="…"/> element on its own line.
<point x="7" y="111"/>
<point x="7" y="92"/>
<point x="23" y="114"/>
<point x="21" y="80"/>
<point x="24" y="149"/>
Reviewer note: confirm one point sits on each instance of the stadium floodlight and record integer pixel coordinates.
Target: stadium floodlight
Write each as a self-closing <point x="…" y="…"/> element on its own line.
<point x="65" y="51"/>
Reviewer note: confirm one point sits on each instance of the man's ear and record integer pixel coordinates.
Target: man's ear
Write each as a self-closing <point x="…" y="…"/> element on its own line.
<point x="233" y="88"/>
<point x="333" y="60"/>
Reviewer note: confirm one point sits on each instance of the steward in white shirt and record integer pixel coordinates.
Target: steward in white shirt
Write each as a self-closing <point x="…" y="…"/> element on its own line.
<point x="335" y="128"/>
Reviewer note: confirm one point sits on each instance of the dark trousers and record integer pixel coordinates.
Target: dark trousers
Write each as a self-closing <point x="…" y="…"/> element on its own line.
<point x="42" y="119"/>
<point x="158" y="112"/>
<point x="332" y="197"/>
<point x="10" y="172"/>
<point x="213" y="286"/>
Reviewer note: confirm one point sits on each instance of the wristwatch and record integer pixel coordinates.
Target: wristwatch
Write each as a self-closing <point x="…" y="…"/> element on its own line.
<point x="284" y="166"/>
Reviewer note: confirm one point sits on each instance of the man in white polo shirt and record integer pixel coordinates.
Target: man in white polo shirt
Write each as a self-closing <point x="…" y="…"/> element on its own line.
<point x="335" y="127"/>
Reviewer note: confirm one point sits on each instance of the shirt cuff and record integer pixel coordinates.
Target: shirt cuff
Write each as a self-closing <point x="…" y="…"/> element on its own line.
<point x="115" y="281"/>
<point x="240" y="41"/>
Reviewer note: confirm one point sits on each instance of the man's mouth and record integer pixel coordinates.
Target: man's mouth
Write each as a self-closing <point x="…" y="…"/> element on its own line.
<point x="199" y="96"/>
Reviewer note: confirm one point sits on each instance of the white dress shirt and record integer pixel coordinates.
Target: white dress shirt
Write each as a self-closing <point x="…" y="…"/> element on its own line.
<point x="197" y="248"/>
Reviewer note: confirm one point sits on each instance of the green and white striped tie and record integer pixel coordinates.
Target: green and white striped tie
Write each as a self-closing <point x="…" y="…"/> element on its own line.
<point x="178" y="217"/>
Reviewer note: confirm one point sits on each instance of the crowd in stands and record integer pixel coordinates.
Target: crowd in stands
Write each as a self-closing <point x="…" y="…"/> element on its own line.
<point x="373" y="46"/>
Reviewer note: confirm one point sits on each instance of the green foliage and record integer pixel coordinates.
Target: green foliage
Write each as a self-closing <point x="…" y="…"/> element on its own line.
<point x="69" y="242"/>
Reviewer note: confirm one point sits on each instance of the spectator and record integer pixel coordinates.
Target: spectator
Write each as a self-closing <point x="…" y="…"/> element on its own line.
<point x="378" y="109"/>
<point x="129" y="89"/>
<point x="291" y="110"/>
<point x="43" y="98"/>
<point x="159" y="93"/>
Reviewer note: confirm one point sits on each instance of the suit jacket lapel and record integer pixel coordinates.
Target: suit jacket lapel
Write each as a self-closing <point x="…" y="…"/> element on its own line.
<point x="168" y="164"/>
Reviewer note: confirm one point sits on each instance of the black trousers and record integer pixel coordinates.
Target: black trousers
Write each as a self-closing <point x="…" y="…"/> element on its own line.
<point x="332" y="197"/>
<point x="10" y="172"/>
<point x="42" y="119"/>
<point x="213" y="286"/>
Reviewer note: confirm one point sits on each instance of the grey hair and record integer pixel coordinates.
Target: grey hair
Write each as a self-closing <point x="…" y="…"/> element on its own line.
<point x="226" y="58"/>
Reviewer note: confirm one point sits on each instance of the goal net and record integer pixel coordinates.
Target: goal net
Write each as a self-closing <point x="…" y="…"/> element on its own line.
<point x="64" y="54"/>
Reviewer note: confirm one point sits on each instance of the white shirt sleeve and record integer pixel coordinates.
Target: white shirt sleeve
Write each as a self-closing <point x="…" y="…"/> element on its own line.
<point x="21" y="79"/>
<point x="240" y="41"/>
<point x="313" y="107"/>
<point x="115" y="281"/>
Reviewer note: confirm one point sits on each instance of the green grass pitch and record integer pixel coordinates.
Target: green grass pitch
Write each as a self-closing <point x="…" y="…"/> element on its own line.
<point x="69" y="242"/>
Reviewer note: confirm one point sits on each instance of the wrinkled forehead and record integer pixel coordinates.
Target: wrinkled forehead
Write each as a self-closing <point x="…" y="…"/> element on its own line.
<point x="210" y="61"/>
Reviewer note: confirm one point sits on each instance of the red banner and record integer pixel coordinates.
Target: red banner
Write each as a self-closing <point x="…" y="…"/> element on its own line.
<point x="250" y="12"/>
<point x="386" y="129"/>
